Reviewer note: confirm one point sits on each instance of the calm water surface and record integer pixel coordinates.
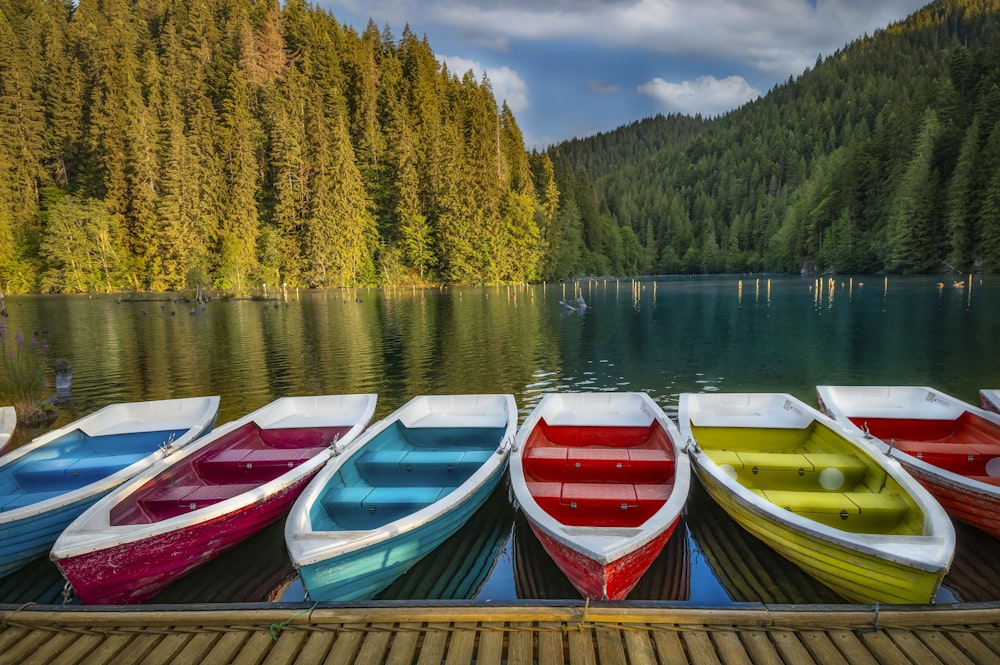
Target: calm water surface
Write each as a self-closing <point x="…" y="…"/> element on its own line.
<point x="663" y="337"/>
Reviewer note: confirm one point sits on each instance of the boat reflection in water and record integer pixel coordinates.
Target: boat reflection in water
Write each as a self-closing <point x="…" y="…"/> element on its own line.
<point x="537" y="577"/>
<point x="459" y="567"/>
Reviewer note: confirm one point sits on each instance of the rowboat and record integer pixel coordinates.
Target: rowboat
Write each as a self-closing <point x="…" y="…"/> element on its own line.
<point x="950" y="446"/>
<point x="48" y="482"/>
<point x="8" y="421"/>
<point x="205" y="499"/>
<point x="990" y="400"/>
<point x="398" y="492"/>
<point x="601" y="482"/>
<point x="819" y="496"/>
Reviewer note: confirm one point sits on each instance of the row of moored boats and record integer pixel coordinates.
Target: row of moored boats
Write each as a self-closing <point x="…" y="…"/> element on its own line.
<point x="858" y="494"/>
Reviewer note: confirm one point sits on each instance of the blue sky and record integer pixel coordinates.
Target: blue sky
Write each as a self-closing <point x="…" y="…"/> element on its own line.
<point x="573" y="68"/>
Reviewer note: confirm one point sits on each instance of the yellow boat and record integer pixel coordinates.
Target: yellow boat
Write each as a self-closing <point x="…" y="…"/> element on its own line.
<point x="822" y="497"/>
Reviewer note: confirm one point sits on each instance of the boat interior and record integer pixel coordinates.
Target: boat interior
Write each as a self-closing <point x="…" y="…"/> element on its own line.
<point x="816" y="473"/>
<point x="236" y="462"/>
<point x="599" y="476"/>
<point x="400" y="471"/>
<point x="72" y="461"/>
<point x="968" y="445"/>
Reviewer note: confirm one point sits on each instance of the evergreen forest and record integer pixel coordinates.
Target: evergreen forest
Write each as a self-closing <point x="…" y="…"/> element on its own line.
<point x="168" y="144"/>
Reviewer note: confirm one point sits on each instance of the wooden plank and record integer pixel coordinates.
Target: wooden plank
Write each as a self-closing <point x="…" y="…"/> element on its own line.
<point x="255" y="648"/>
<point x="912" y="647"/>
<point x="196" y="649"/>
<point x="461" y="644"/>
<point x="729" y="648"/>
<point x="758" y="644"/>
<point x="226" y="647"/>
<point x="639" y="647"/>
<point x="346" y="644"/>
<point x="166" y="649"/>
<point x="78" y="650"/>
<point x="791" y="649"/>
<point x="521" y="643"/>
<point x="404" y="644"/>
<point x="977" y="650"/>
<point x="433" y="645"/>
<point x="48" y="649"/>
<point x="286" y="648"/>
<point x="490" y="651"/>
<point x="990" y="634"/>
<point x="822" y="649"/>
<point x="551" y="650"/>
<point x="946" y="650"/>
<point x="669" y="647"/>
<point x="850" y="645"/>
<point x="375" y="643"/>
<point x="30" y="641"/>
<point x="581" y="646"/>
<point x="108" y="646"/>
<point x="317" y="644"/>
<point x="610" y="647"/>
<point x="883" y="649"/>
<point x="11" y="635"/>
<point x="699" y="648"/>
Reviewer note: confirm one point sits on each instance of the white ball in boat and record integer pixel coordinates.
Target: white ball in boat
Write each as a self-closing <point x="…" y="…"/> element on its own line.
<point x="993" y="467"/>
<point x="831" y="479"/>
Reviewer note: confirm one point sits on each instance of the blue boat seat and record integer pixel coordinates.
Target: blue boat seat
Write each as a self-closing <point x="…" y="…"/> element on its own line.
<point x="363" y="507"/>
<point x="401" y="468"/>
<point x="71" y="473"/>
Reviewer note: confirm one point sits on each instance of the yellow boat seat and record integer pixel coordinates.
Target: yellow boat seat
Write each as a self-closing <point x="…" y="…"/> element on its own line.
<point x="860" y="512"/>
<point x="791" y="471"/>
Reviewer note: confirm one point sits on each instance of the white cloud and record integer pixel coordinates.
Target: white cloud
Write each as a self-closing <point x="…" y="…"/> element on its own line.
<point x="706" y="95"/>
<point x="507" y="84"/>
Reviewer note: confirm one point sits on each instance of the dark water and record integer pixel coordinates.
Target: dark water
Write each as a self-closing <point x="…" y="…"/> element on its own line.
<point x="663" y="337"/>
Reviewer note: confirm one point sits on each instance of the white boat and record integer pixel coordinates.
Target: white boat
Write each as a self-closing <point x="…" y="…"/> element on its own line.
<point x="602" y="482"/>
<point x="8" y="421"/>
<point x="49" y="482"/>
<point x="398" y="492"/>
<point x="950" y="446"/>
<point x="206" y="498"/>
<point x="990" y="400"/>
<point x="819" y="495"/>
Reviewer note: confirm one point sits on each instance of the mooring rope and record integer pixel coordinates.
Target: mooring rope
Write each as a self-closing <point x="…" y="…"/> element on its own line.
<point x="276" y="628"/>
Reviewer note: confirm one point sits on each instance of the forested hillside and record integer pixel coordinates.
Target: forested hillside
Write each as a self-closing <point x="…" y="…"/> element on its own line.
<point x="162" y="144"/>
<point x="166" y="144"/>
<point x="884" y="157"/>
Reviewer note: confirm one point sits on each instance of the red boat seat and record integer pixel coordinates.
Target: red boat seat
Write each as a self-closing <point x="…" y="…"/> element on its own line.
<point x="961" y="458"/>
<point x="252" y="465"/>
<point x="582" y="464"/>
<point x="600" y="504"/>
<point x="166" y="502"/>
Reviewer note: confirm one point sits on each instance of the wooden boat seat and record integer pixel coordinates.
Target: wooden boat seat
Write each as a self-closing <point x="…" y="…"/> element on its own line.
<point x="364" y="507"/>
<point x="71" y="473"/>
<point x="401" y="468"/>
<point x="600" y="504"/>
<point x="234" y="465"/>
<point x="791" y="471"/>
<point x="965" y="459"/>
<point x="583" y="464"/>
<point x="860" y="512"/>
<point x="166" y="502"/>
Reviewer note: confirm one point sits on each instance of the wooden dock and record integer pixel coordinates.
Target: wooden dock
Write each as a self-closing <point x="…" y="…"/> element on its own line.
<point x="462" y="634"/>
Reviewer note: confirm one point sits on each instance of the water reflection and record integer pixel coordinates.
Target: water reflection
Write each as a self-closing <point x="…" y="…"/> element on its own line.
<point x="663" y="337"/>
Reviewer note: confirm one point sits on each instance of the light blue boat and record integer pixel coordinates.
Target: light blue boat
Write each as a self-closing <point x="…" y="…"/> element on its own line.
<point x="397" y="492"/>
<point x="49" y="482"/>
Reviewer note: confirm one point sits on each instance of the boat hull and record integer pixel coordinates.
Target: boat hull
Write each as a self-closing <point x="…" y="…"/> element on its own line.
<point x="362" y="573"/>
<point x="26" y="539"/>
<point x="951" y="447"/>
<point x="135" y="571"/>
<point x="611" y="580"/>
<point x="601" y="482"/>
<point x="854" y="575"/>
<point x="8" y="421"/>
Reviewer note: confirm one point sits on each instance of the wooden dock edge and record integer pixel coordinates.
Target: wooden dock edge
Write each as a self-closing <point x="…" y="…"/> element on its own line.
<point x="289" y="615"/>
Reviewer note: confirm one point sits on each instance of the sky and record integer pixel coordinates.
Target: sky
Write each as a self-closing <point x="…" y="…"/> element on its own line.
<point x="575" y="68"/>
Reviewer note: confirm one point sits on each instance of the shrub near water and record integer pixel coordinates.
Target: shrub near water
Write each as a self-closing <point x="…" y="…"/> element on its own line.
<point x="22" y="382"/>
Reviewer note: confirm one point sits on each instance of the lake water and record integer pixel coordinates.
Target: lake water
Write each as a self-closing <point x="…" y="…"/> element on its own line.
<point x="663" y="337"/>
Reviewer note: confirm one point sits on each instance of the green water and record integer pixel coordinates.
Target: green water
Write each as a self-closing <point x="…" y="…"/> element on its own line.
<point x="663" y="337"/>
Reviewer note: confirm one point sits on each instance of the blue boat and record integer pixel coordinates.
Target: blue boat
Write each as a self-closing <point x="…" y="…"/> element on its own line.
<point x="49" y="482"/>
<point x="397" y="492"/>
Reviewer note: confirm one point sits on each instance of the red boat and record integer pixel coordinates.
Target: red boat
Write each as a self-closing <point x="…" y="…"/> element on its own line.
<point x="206" y="498"/>
<point x="601" y="480"/>
<point x="951" y="447"/>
